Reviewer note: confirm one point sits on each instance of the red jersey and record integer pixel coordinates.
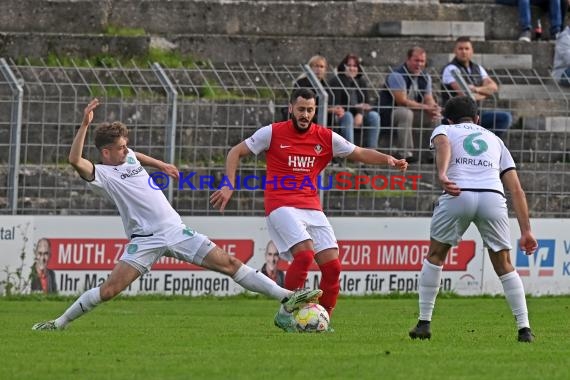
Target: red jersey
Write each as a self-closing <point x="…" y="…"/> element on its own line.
<point x="294" y="161"/>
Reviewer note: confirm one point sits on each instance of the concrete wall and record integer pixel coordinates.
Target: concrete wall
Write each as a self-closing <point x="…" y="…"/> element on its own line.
<point x="266" y="31"/>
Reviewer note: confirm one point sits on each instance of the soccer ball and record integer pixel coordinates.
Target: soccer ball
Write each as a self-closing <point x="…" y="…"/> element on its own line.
<point x="311" y="318"/>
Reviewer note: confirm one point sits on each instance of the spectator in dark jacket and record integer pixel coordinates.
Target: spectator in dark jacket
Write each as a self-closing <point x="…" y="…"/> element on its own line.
<point x="352" y="92"/>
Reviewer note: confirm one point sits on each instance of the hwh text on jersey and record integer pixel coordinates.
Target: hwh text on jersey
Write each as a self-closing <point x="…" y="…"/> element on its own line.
<point x="301" y="162"/>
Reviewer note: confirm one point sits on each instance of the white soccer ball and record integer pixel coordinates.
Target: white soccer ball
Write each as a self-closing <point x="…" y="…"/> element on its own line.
<point x="311" y="318"/>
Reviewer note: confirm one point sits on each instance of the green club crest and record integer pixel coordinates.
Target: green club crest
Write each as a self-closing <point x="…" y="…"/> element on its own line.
<point x="188" y="231"/>
<point x="132" y="248"/>
<point x="474" y="146"/>
<point x="130" y="160"/>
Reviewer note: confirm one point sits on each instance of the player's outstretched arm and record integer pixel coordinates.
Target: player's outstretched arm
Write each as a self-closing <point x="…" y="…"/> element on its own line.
<point x="83" y="166"/>
<point x="371" y="156"/>
<point x="511" y="181"/>
<point x="220" y="198"/>
<point x="168" y="169"/>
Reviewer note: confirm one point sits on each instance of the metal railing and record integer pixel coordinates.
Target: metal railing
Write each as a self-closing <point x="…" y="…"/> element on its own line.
<point x="192" y="116"/>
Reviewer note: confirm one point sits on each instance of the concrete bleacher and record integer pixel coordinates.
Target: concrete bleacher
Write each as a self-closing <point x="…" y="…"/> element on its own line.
<point x="496" y="61"/>
<point x="425" y="28"/>
<point x="245" y="31"/>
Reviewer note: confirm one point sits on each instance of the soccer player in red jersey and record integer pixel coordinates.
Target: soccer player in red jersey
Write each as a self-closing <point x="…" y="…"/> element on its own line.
<point x="296" y="151"/>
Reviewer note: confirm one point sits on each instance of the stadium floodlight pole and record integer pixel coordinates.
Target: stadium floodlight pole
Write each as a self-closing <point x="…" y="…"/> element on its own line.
<point x="322" y="108"/>
<point x="16" y="85"/>
<point x="171" y="98"/>
<point x="463" y="84"/>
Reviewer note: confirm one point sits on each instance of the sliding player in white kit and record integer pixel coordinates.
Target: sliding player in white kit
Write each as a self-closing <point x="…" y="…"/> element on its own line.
<point x="473" y="164"/>
<point x="154" y="227"/>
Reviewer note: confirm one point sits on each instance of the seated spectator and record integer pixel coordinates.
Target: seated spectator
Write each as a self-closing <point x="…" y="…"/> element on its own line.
<point x="319" y="66"/>
<point x="351" y="92"/>
<point x="561" y="65"/>
<point x="556" y="10"/>
<point x="407" y="96"/>
<point x="480" y="85"/>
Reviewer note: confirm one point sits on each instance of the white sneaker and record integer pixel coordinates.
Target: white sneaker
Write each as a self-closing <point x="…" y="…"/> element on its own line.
<point x="525" y="36"/>
<point x="46" y="325"/>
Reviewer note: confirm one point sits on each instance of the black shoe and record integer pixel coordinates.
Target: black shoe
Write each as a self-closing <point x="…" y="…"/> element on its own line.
<point x="525" y="335"/>
<point x="422" y="331"/>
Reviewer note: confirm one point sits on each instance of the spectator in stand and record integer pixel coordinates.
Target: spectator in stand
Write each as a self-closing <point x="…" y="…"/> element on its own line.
<point x="561" y="66"/>
<point x="555" y="8"/>
<point x="480" y="84"/>
<point x="407" y="96"/>
<point x="319" y="65"/>
<point x="351" y="93"/>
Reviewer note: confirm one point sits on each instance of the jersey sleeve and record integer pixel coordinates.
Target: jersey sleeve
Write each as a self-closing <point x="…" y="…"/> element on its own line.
<point x="484" y="73"/>
<point x="440" y="130"/>
<point x="395" y="81"/>
<point x="340" y="146"/>
<point x="428" y="90"/>
<point x="507" y="161"/>
<point x="446" y="76"/>
<point x="98" y="183"/>
<point x="260" y="140"/>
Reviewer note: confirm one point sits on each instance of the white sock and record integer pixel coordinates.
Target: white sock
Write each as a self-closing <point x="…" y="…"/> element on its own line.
<point x="514" y="292"/>
<point x="256" y="281"/>
<point x="430" y="279"/>
<point x="82" y="305"/>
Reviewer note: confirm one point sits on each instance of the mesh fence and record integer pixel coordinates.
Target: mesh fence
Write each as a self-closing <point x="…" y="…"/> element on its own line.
<point x="192" y="116"/>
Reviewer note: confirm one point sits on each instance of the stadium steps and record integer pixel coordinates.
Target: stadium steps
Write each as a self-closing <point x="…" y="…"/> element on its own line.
<point x="489" y="61"/>
<point x="81" y="45"/>
<point x="430" y="28"/>
<point x="245" y="32"/>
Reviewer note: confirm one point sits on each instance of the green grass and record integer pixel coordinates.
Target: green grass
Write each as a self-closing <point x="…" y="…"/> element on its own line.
<point x="233" y="338"/>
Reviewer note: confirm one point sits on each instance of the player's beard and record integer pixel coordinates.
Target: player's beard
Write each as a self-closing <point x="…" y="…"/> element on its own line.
<point x="296" y="125"/>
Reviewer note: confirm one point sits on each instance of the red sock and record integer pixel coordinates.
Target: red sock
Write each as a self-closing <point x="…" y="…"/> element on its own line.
<point x="298" y="270"/>
<point x="329" y="284"/>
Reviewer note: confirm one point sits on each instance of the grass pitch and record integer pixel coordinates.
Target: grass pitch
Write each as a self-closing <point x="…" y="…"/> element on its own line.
<point x="234" y="338"/>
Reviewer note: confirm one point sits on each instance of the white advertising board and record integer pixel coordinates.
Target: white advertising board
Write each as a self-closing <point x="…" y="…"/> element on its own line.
<point x="378" y="255"/>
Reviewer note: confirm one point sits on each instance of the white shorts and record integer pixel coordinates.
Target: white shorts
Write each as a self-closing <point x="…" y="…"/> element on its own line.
<point x="288" y="226"/>
<point x="486" y="209"/>
<point x="180" y="242"/>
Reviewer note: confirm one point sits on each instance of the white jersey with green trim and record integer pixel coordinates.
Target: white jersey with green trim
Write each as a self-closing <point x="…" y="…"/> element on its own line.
<point x="478" y="156"/>
<point x="143" y="210"/>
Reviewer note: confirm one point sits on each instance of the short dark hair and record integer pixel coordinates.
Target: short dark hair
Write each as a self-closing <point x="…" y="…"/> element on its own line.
<point x="461" y="109"/>
<point x="108" y="133"/>
<point x="305" y="93"/>
<point x="462" y="39"/>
